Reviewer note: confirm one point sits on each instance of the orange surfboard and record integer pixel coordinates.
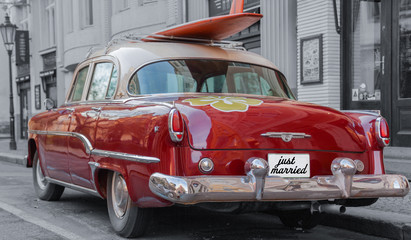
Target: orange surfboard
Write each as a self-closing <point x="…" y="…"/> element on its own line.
<point x="214" y="28"/>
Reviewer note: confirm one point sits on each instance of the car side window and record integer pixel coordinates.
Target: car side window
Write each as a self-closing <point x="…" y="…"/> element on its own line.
<point x="162" y="77"/>
<point x="252" y="83"/>
<point x="134" y="86"/>
<point x="215" y="84"/>
<point x="79" y="85"/>
<point x="104" y="82"/>
<point x="113" y="84"/>
<point x="247" y="82"/>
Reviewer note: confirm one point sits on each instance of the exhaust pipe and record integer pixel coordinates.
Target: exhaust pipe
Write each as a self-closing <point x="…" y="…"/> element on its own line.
<point x="316" y="208"/>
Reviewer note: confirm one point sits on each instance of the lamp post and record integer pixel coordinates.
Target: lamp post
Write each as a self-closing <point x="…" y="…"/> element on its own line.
<point x="8" y="31"/>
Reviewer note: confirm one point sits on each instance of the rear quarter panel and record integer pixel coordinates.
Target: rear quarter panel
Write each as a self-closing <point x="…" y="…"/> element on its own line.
<point x="139" y="129"/>
<point x="375" y="151"/>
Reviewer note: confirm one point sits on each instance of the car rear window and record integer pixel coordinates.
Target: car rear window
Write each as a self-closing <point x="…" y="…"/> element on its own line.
<point x="208" y="76"/>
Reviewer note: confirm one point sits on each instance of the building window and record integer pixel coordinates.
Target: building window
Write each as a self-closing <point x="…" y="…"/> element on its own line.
<point x="24" y="22"/>
<point x="124" y="4"/>
<point x="251" y="36"/>
<point x="49" y="82"/>
<point x="88" y="12"/>
<point x="50" y="23"/>
<point x="366" y="51"/>
<point x="120" y="5"/>
<point x="69" y="16"/>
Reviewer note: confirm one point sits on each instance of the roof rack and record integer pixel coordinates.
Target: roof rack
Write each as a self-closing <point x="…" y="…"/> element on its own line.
<point x="134" y="38"/>
<point x="164" y="38"/>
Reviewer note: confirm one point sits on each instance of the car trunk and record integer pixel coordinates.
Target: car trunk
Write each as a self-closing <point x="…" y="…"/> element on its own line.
<point x="270" y="123"/>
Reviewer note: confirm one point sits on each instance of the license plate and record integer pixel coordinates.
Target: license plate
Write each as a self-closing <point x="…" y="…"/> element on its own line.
<point x="289" y="165"/>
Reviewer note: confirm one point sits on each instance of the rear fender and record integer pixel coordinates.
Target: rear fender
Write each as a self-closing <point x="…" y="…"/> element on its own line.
<point x="367" y="119"/>
<point x="103" y="168"/>
<point x="136" y="176"/>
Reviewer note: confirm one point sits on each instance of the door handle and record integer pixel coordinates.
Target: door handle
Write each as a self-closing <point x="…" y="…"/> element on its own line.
<point x="97" y="109"/>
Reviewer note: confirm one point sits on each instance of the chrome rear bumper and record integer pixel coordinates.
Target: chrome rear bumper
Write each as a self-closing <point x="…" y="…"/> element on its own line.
<point x="257" y="186"/>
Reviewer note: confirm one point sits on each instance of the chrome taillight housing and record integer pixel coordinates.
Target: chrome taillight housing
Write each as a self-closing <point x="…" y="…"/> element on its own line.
<point x="175" y="125"/>
<point x="382" y="132"/>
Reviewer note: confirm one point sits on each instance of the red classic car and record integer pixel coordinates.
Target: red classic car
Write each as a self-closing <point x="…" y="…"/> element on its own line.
<point x="159" y="122"/>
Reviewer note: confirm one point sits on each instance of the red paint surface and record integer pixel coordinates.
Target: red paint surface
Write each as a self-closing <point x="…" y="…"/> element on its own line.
<point x="329" y="129"/>
<point x="229" y="139"/>
<point x="53" y="151"/>
<point x="83" y="121"/>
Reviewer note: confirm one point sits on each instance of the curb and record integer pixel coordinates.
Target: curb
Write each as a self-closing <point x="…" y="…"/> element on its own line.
<point x="371" y="222"/>
<point x="13" y="158"/>
<point x="402" y="153"/>
<point x="398" y="166"/>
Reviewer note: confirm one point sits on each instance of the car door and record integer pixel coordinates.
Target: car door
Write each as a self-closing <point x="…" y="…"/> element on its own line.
<point x="55" y="148"/>
<point x="84" y="119"/>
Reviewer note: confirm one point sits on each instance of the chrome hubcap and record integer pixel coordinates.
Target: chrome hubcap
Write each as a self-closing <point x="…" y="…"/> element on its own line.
<point x="119" y="195"/>
<point x="41" y="180"/>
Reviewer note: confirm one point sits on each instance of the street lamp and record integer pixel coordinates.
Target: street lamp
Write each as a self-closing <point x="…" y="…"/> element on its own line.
<point x="8" y="30"/>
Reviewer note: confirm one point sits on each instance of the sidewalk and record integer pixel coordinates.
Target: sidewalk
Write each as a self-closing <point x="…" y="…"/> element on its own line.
<point x="388" y="217"/>
<point x="13" y="156"/>
<point x="398" y="160"/>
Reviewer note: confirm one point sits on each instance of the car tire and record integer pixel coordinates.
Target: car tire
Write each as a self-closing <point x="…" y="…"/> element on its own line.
<point x="300" y="219"/>
<point x="45" y="190"/>
<point x="127" y="219"/>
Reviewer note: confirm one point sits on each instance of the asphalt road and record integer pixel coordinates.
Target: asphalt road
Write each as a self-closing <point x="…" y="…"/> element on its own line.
<point x="82" y="216"/>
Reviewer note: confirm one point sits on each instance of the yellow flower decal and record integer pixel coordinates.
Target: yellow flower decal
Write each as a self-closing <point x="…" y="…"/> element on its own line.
<point x="225" y="104"/>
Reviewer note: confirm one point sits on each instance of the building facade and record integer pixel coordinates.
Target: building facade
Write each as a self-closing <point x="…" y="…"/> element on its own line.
<point x="377" y="62"/>
<point x="349" y="54"/>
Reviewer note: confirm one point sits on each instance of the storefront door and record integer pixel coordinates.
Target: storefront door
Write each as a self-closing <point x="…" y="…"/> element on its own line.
<point x="24" y="112"/>
<point x="363" y="58"/>
<point x="377" y="62"/>
<point x="401" y="87"/>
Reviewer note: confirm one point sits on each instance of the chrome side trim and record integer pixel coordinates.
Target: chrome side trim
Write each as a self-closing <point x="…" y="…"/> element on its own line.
<point x="93" y="168"/>
<point x="91" y="151"/>
<point x="87" y="145"/>
<point x="75" y="187"/>
<point x="85" y="103"/>
<point x="125" y="156"/>
<point x="165" y="104"/>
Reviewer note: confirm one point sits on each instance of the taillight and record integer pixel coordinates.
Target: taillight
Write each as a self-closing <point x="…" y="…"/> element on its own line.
<point x="175" y="125"/>
<point x="382" y="132"/>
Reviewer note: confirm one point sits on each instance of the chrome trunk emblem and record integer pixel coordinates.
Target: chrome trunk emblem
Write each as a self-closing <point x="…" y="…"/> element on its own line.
<point x="286" y="136"/>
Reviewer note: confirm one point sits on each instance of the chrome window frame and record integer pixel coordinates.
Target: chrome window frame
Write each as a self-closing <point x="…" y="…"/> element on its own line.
<point x="73" y="84"/>
<point x="91" y="63"/>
